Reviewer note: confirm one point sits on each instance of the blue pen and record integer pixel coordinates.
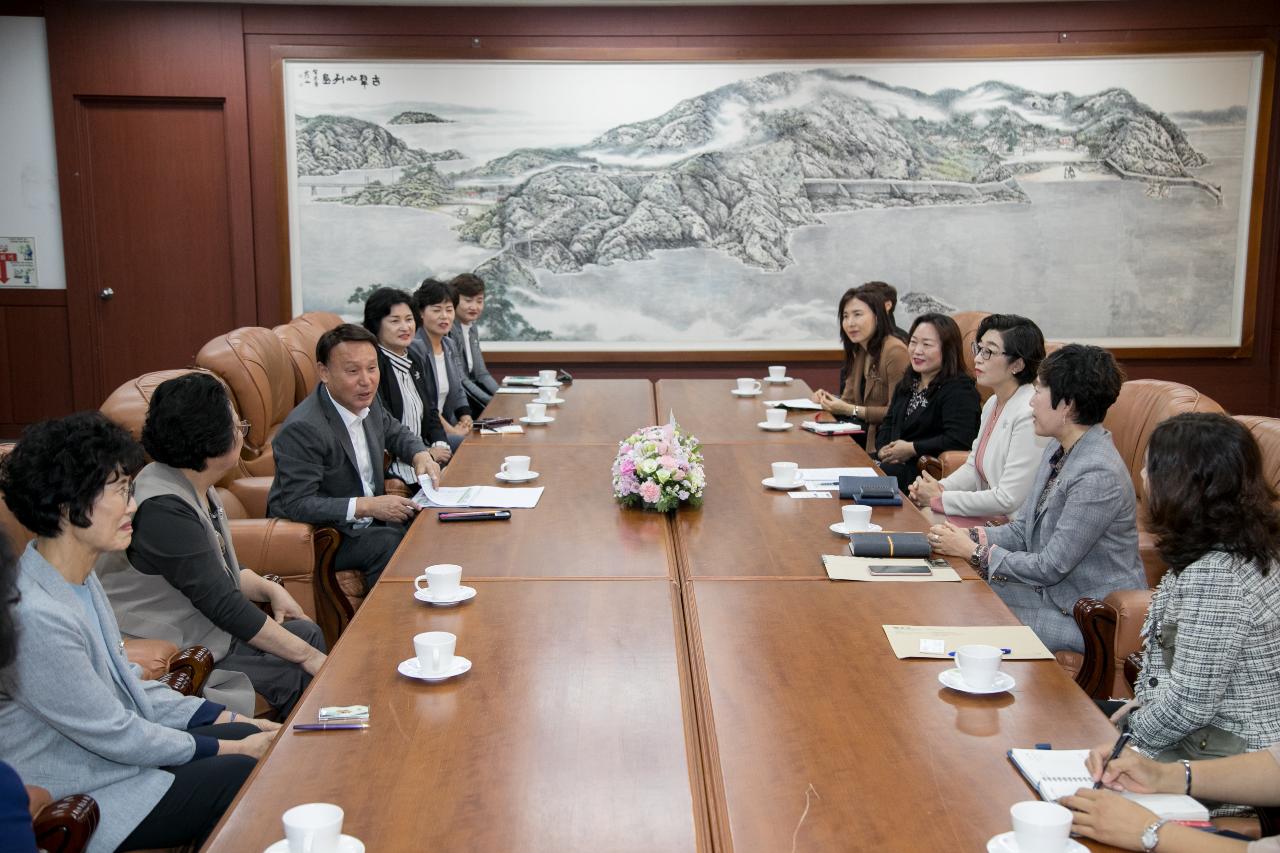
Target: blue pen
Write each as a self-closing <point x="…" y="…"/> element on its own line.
<point x="1006" y="651"/>
<point x="324" y="727"/>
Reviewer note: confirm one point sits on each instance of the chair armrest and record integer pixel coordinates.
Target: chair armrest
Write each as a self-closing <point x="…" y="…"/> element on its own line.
<point x="1132" y="666"/>
<point x="66" y="825"/>
<point x="273" y="546"/>
<point x="1131" y="607"/>
<point x="152" y="655"/>
<point x="1097" y="622"/>
<point x="930" y="465"/>
<point x="252" y="493"/>
<point x="952" y="461"/>
<point x="188" y="670"/>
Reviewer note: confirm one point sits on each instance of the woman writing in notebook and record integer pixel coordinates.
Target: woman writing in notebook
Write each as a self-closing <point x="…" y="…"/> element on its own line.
<point x="997" y="475"/>
<point x="1105" y="816"/>
<point x="1210" y="680"/>
<point x="874" y="361"/>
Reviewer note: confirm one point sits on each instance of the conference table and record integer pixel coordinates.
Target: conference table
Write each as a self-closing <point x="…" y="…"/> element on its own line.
<point x="650" y="682"/>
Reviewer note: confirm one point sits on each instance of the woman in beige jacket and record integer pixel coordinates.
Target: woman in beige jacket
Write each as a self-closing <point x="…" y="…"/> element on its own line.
<point x="874" y="362"/>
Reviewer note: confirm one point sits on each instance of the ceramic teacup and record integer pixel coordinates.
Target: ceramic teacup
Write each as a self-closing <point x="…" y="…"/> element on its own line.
<point x="515" y="466"/>
<point x="536" y="411"/>
<point x="546" y="395"/>
<point x="1040" y="827"/>
<point x="546" y="377"/>
<point x="856" y="517"/>
<point x="979" y="665"/>
<point x="777" y="372"/>
<point x="435" y="651"/>
<point x="313" y="828"/>
<point x="747" y="385"/>
<point x="442" y="579"/>
<point x="785" y="473"/>
<point x="776" y="416"/>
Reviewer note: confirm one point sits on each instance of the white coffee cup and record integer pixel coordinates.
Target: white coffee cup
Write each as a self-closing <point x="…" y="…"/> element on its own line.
<point x="435" y="651"/>
<point x="546" y="395"/>
<point x="515" y="466"/>
<point x="856" y="517"/>
<point x="785" y="473"/>
<point x="1040" y="827"/>
<point x="777" y="372"/>
<point x="546" y="377"/>
<point x="776" y="416"/>
<point x="313" y="828"/>
<point x="442" y="579"/>
<point x="747" y="385"/>
<point x="536" y="411"/>
<point x="978" y="665"/>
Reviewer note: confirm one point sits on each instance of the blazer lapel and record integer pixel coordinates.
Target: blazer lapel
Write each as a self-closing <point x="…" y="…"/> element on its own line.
<point x="376" y="442"/>
<point x="330" y="410"/>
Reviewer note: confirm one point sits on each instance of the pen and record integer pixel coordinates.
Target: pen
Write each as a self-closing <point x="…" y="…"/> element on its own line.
<point x="1006" y="651"/>
<point x="1115" y="753"/>
<point x="321" y="727"/>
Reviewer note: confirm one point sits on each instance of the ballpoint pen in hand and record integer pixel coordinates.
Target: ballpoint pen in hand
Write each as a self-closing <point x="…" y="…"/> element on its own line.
<point x="1115" y="753"/>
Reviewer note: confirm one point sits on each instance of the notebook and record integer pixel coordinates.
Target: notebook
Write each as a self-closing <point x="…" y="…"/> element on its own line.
<point x="1056" y="773"/>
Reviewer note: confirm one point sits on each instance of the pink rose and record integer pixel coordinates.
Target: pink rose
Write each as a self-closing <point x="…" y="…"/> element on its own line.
<point x="667" y="462"/>
<point x="649" y="492"/>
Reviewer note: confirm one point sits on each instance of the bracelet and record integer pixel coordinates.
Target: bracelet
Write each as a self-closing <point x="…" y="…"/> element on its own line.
<point x="1186" y="766"/>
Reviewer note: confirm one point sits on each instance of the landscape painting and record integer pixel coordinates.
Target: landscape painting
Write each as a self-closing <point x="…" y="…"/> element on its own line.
<point x="702" y="206"/>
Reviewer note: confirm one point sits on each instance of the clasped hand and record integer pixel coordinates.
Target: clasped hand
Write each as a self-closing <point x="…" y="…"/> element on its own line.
<point x="896" y="452"/>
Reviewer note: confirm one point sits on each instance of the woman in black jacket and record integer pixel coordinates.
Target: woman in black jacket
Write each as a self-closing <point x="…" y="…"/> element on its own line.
<point x="403" y="386"/>
<point x="936" y="405"/>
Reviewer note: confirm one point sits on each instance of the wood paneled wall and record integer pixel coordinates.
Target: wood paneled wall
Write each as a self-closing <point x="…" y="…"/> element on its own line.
<point x="226" y="57"/>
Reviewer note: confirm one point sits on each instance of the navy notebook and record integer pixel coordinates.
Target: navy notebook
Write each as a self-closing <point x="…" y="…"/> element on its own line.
<point x="872" y="491"/>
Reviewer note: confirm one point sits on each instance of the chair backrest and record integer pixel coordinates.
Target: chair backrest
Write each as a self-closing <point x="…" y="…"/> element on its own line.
<point x="1144" y="403"/>
<point x="968" y="321"/>
<point x="127" y="405"/>
<point x="256" y="367"/>
<point x="299" y="337"/>
<point x="1267" y="433"/>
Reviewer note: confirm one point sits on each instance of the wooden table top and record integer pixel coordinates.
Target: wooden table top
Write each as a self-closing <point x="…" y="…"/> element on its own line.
<point x="706" y="409"/>
<point x="567" y="734"/>
<point x="594" y="411"/>
<point x="576" y="530"/>
<point x="806" y="696"/>
<point x="745" y="529"/>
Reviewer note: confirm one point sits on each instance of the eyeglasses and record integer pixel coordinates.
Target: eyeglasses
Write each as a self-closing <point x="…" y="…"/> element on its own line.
<point x="984" y="353"/>
<point x="243" y="426"/>
<point x="125" y="490"/>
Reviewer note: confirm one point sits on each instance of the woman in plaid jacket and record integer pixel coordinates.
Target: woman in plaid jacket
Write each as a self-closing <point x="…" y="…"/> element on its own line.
<point x="1210" y="681"/>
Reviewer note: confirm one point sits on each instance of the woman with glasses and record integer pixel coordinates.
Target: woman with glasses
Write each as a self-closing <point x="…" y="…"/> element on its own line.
<point x="180" y="579"/>
<point x="76" y="716"/>
<point x="1076" y="535"/>
<point x="874" y="361"/>
<point x="995" y="479"/>
<point x="936" y="405"/>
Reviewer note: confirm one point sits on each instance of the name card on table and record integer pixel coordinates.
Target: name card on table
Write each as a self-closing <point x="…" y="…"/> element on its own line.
<point x="937" y="641"/>
<point x="859" y="569"/>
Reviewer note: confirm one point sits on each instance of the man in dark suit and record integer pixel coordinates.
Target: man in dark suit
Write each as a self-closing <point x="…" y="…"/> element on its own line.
<point x="329" y="454"/>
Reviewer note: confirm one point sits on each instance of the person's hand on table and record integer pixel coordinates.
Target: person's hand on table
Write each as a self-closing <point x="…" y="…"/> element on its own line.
<point x="1133" y="771"/>
<point x="392" y="508"/>
<point x="951" y="540"/>
<point x="1108" y="817"/>
<point x="896" y="452"/>
<point x="924" y="489"/>
<point x="425" y="463"/>
<point x="831" y="403"/>
<point x="441" y="454"/>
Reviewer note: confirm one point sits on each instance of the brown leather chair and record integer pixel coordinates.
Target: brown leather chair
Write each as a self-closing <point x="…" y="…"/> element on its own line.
<point x="1143" y="403"/>
<point x="255" y="366"/>
<point x="300" y="336"/>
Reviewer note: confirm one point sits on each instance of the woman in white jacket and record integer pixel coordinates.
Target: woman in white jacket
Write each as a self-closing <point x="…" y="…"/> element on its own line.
<point x="995" y="479"/>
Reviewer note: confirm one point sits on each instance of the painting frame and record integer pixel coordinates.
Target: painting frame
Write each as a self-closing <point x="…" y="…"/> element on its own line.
<point x="676" y="352"/>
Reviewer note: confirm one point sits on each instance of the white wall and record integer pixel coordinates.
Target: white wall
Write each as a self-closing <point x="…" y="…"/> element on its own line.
<point x="28" y="168"/>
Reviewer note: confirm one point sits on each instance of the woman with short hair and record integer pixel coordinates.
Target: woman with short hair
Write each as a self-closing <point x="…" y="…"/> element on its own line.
<point x="874" y="361"/>
<point x="997" y="475"/>
<point x="934" y="408"/>
<point x="76" y="717"/>
<point x="402" y="381"/>
<point x="1076" y="535"/>
<point x="1210" y="680"/>
<point x="180" y="580"/>
<point x="435" y="303"/>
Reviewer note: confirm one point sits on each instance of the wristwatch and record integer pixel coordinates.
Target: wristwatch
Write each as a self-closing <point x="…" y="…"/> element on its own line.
<point x="1150" y="838"/>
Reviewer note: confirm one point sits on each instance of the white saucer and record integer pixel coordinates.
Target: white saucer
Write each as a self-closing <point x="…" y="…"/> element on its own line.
<point x="951" y="678"/>
<point x="545" y="419"/>
<point x="839" y="529"/>
<point x="410" y="668"/>
<point x="765" y="425"/>
<point x="735" y="392"/>
<point x="461" y="594"/>
<point x="1005" y="842"/>
<point x="786" y="380"/>
<point x="555" y="401"/>
<point x="516" y="478"/>
<point x="771" y="483"/>
<point x="346" y="844"/>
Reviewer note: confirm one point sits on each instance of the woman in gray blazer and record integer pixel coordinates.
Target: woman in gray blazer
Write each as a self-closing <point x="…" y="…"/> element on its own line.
<point x="76" y="716"/>
<point x="436" y="303"/>
<point x="1076" y="536"/>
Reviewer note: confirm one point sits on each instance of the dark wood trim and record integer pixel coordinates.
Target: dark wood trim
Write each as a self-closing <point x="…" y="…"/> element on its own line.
<point x="21" y="297"/>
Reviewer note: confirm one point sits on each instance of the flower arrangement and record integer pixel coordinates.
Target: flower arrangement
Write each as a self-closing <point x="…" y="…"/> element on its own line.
<point x="658" y="468"/>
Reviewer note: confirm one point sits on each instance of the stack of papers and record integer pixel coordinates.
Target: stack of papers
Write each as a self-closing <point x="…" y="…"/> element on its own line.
<point x="859" y="569"/>
<point x="798" y="403"/>
<point x="936" y="641"/>
<point x="478" y="497"/>
<point x="831" y="427"/>
<point x="522" y="389"/>
<point x="825" y="479"/>
<point x="502" y="430"/>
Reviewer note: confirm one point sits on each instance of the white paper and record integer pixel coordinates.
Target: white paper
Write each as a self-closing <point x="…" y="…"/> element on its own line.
<point x="517" y="389"/>
<point x="831" y="428"/>
<point x="932" y="647"/>
<point x="798" y="403"/>
<point x="477" y="497"/>
<point x="803" y="495"/>
<point x="509" y="428"/>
